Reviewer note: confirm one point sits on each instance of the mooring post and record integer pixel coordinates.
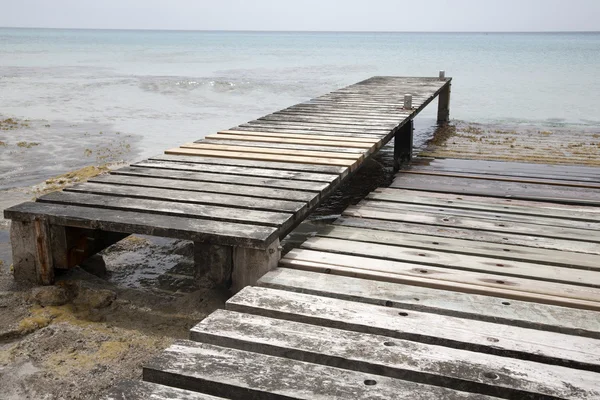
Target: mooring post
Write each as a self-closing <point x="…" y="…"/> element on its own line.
<point x="408" y="101"/>
<point x="444" y="101"/>
<point x="403" y="144"/>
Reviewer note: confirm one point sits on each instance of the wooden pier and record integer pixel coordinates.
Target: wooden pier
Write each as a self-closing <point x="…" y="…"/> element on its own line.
<point x="464" y="279"/>
<point x="234" y="193"/>
<point x="429" y="289"/>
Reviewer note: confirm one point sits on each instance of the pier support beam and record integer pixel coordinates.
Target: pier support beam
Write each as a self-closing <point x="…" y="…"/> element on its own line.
<point x="443" y="115"/>
<point x="403" y="144"/>
<point x="234" y="267"/>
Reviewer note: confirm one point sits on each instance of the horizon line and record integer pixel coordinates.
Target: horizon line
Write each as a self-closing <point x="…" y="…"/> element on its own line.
<point x="276" y="31"/>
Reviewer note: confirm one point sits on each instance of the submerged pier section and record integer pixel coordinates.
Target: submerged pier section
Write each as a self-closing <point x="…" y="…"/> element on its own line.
<point x="234" y="193"/>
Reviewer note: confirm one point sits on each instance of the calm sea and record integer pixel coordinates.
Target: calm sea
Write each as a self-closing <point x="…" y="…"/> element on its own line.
<point x="161" y="88"/>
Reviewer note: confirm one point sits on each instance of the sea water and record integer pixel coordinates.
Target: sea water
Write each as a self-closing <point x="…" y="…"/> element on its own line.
<point x="82" y="89"/>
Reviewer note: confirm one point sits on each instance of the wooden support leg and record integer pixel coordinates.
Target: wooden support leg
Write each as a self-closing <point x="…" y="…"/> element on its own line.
<point x="444" y="105"/>
<point x="249" y="265"/>
<point x="214" y="263"/>
<point x="31" y="249"/>
<point x="71" y="246"/>
<point x="234" y="267"/>
<point x="403" y="144"/>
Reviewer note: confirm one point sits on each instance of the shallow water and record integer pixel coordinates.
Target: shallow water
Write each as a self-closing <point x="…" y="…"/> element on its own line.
<point x="166" y="88"/>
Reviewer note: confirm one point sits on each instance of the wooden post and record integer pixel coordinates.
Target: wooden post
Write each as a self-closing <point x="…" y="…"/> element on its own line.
<point x="408" y="101"/>
<point x="444" y="105"/>
<point x="214" y="263"/>
<point x="31" y="251"/>
<point x="234" y="267"/>
<point x="403" y="144"/>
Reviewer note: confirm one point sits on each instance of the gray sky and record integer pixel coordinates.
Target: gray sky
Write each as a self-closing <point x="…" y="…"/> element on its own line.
<point x="321" y="15"/>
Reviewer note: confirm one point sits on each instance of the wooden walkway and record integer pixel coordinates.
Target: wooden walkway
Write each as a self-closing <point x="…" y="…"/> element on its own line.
<point x="463" y="280"/>
<point x="234" y="193"/>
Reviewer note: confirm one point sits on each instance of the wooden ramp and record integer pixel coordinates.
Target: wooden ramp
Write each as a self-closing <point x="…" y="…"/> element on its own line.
<point x="429" y="289"/>
<point x="234" y="193"/>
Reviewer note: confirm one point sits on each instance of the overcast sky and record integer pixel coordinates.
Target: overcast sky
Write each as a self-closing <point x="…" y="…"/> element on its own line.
<point x="319" y="15"/>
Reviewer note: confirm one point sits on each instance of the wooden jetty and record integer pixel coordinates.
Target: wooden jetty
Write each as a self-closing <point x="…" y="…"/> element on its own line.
<point x="234" y="193"/>
<point x="462" y="280"/>
<point x="483" y="285"/>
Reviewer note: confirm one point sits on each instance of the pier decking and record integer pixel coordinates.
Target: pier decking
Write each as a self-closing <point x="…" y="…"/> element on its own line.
<point x="425" y="289"/>
<point x="234" y="193"/>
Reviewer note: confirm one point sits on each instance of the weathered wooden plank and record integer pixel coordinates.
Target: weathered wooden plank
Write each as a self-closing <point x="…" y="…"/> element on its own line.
<point x="184" y="196"/>
<point x="332" y="143"/>
<point x="347" y="129"/>
<point x="498" y="189"/>
<point x="508" y="168"/>
<point x="327" y="125"/>
<point x="271" y="165"/>
<point x="274" y="183"/>
<point x="217" y="213"/>
<point x="356" y="133"/>
<point x="445" y="302"/>
<point x="482" y="214"/>
<point x="362" y="122"/>
<point x="262" y="157"/>
<point x="225" y="233"/>
<point x="401" y="359"/>
<point x="484" y="204"/>
<point x="245" y="144"/>
<point x="278" y="151"/>
<point x="238" y="374"/>
<point x="138" y="390"/>
<point x="249" y="191"/>
<point x="317" y="178"/>
<point x="502" y="178"/>
<point x="447" y="220"/>
<point x="308" y="136"/>
<point x="462" y="287"/>
<point x="471" y="235"/>
<point x="542" y="272"/>
<point x="346" y="112"/>
<point x="469" y="247"/>
<point x="521" y="286"/>
<point x="459" y="333"/>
